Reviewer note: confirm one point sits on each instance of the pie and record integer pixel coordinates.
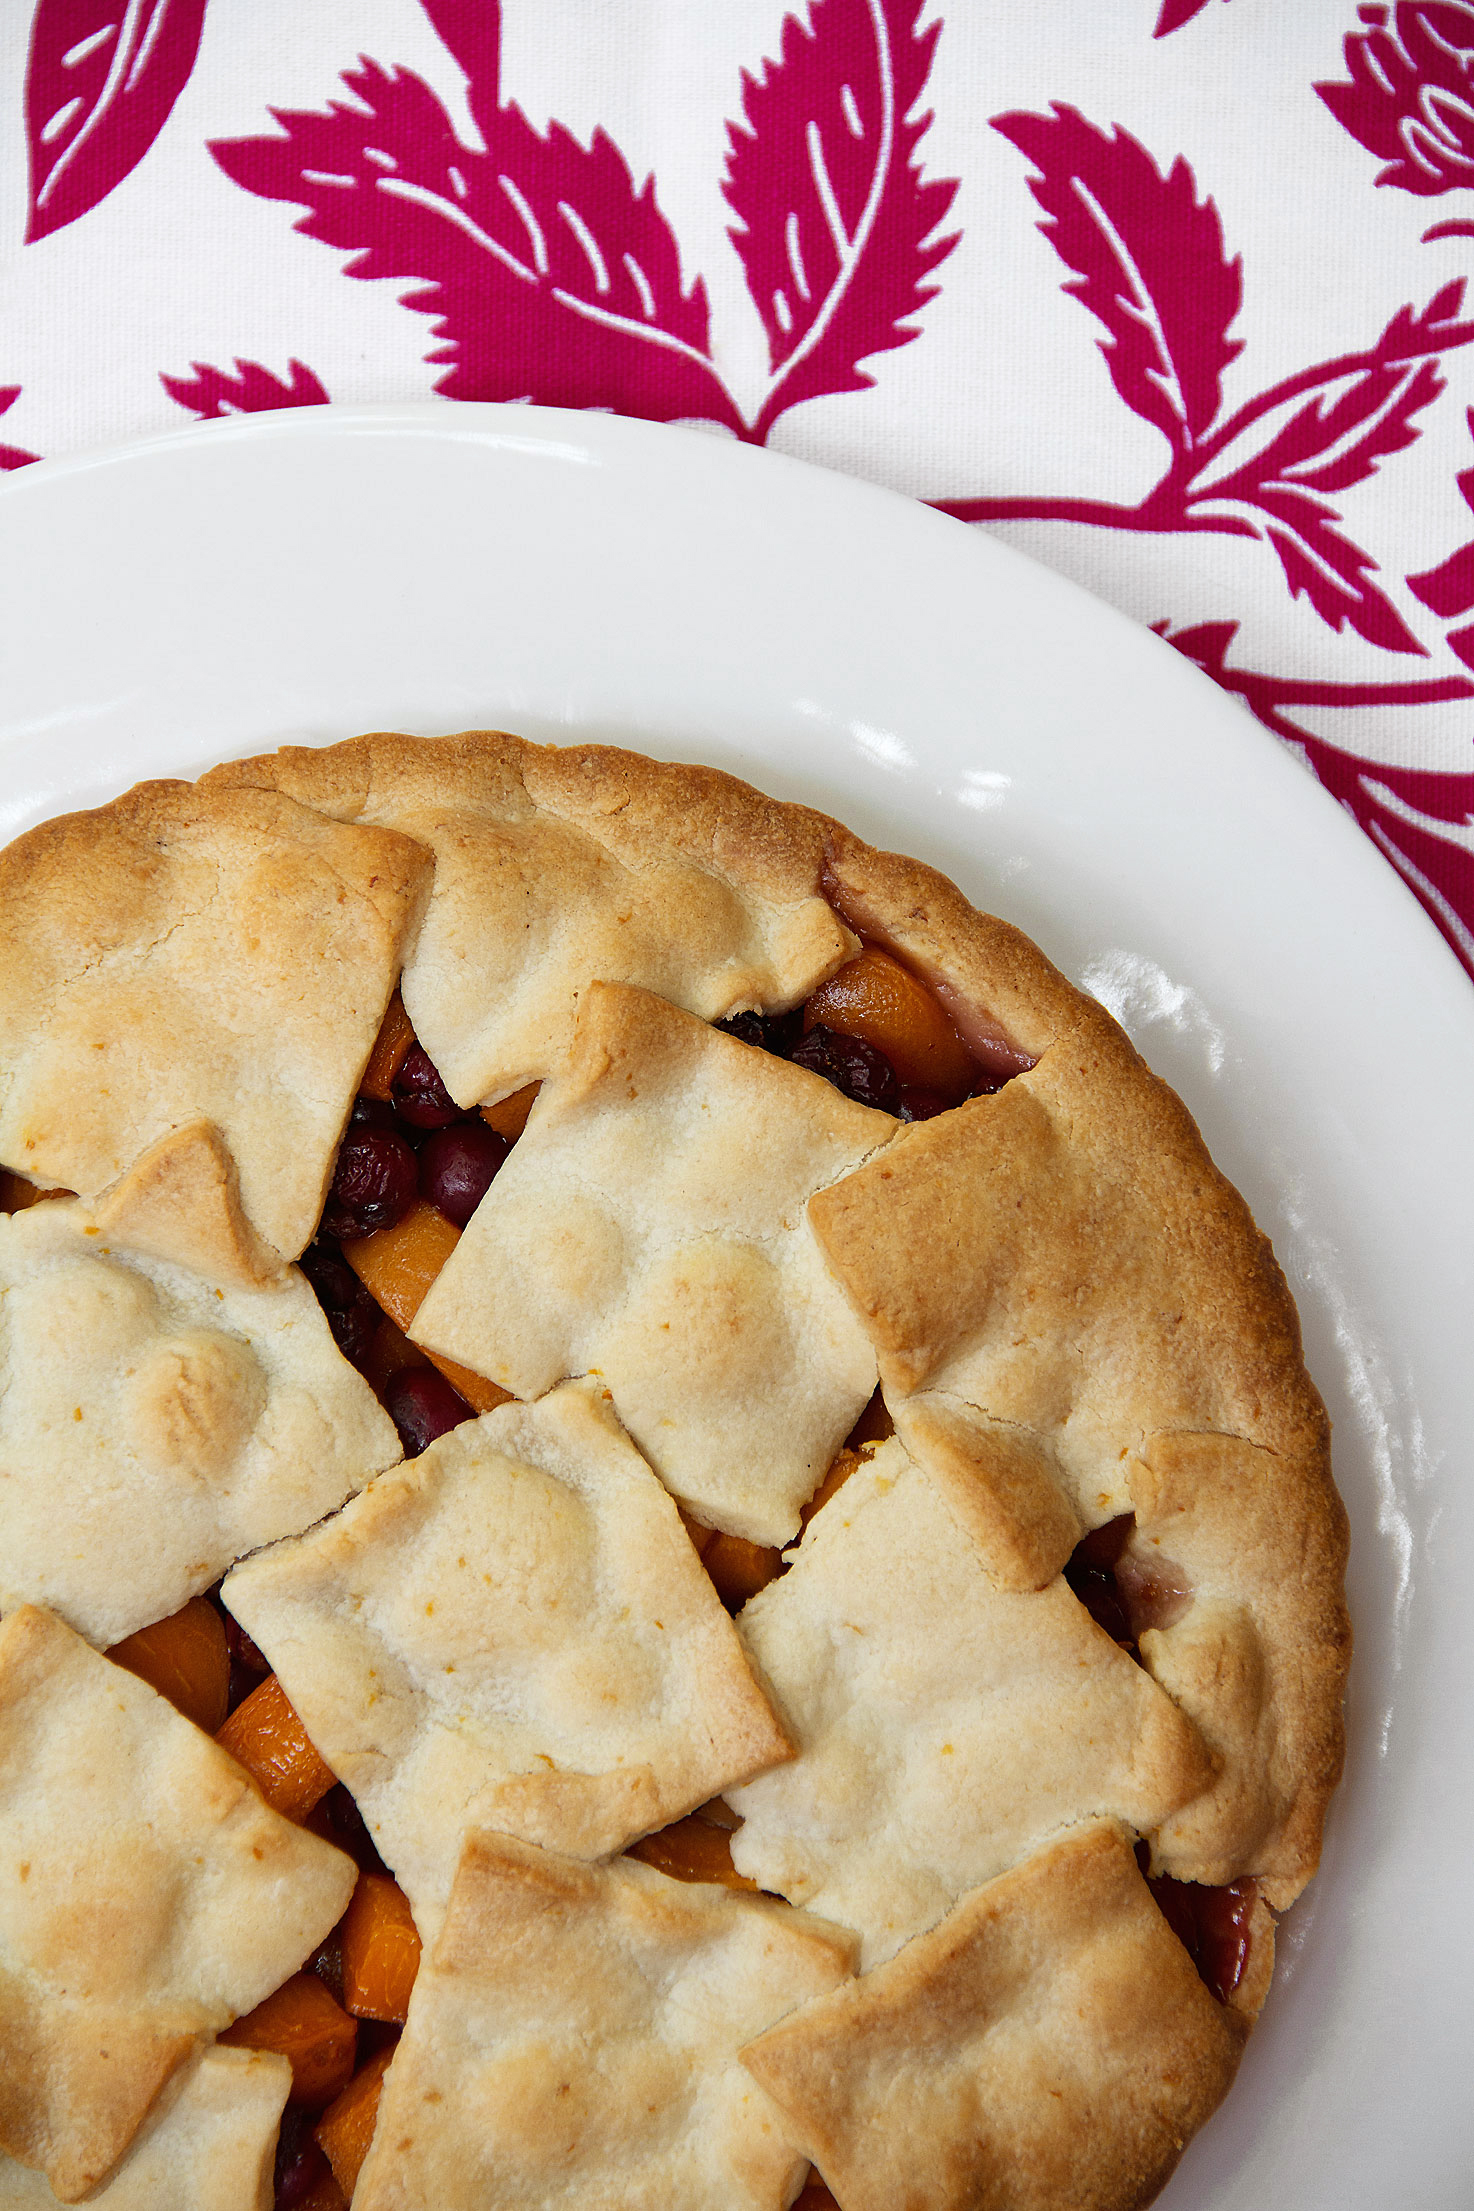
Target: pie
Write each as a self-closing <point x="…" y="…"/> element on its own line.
<point x="739" y="1496"/>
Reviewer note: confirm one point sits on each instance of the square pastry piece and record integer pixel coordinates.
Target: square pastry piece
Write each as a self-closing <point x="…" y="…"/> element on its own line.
<point x="187" y="955"/>
<point x="1051" y="1274"/>
<point x="153" y="1428"/>
<point x="512" y="1630"/>
<point x="209" y="2143"/>
<point x="147" y="1897"/>
<point x="554" y="865"/>
<point x="1048" y="2045"/>
<point x="649" y="1228"/>
<point x="572" y="2043"/>
<point x="945" y="1727"/>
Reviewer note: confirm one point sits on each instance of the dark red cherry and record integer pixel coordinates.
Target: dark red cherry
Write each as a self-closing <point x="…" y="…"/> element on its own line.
<point x="457" y="1167"/>
<point x="420" y="1097"/>
<point x="351" y="1313"/>
<point x="852" y="1065"/>
<point x="1212" y="1925"/>
<point x="922" y="1105"/>
<point x="300" y="2164"/>
<point x="422" y="1406"/>
<point x="375" y="1182"/>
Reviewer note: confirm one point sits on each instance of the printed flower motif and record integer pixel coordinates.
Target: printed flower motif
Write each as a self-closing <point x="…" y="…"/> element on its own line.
<point x="1148" y="261"/>
<point x="12" y="456"/>
<point x="1411" y="95"/>
<point x="550" y="277"/>
<point x="211" y="392"/>
<point x="102" y="77"/>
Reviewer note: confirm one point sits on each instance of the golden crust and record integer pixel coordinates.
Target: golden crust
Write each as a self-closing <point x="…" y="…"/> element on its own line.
<point x="945" y="1727"/>
<point x="147" y="1897"/>
<point x="191" y="953"/>
<point x="181" y="1201"/>
<point x="1049" y="2045"/>
<point x="679" y="879"/>
<point x="513" y="1627"/>
<point x="208" y="2143"/>
<point x="649" y="1229"/>
<point x="1193" y="1410"/>
<point x="572" y="2040"/>
<point x="154" y="1427"/>
<point x="1055" y="1275"/>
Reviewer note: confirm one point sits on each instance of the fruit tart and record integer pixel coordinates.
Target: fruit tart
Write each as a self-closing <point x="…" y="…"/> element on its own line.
<point x="662" y="1534"/>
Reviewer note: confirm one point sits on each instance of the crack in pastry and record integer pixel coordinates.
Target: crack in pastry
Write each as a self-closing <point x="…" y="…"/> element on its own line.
<point x="649" y="1228"/>
<point x="513" y="1630"/>
<point x="573" y="2039"/>
<point x="153" y="1427"/>
<point x="683" y="881"/>
<point x="191" y="953"/>
<point x="207" y="2144"/>
<point x="1049" y="2043"/>
<point x="147" y="1897"/>
<point x="945" y="1727"/>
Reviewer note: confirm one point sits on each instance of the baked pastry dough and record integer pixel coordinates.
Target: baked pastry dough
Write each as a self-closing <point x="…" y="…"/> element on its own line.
<point x="1073" y="1318"/>
<point x="649" y="1228"/>
<point x="572" y="2041"/>
<point x="147" y="1897"/>
<point x="557" y="866"/>
<point x="154" y="1427"/>
<point x="1048" y="2044"/>
<point x="196" y="954"/>
<point x="945" y="1727"/>
<point x="207" y="2145"/>
<point x="511" y="1628"/>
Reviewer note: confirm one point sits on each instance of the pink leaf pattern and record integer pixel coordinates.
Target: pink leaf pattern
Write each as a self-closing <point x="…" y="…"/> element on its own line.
<point x="1410" y="99"/>
<point x="12" y="456"/>
<point x="836" y="230"/>
<point x="1175" y="13"/>
<point x="101" y="80"/>
<point x="547" y="274"/>
<point x="1149" y="264"/>
<point x="1413" y="815"/>
<point x="211" y="392"/>
<point x="1447" y="590"/>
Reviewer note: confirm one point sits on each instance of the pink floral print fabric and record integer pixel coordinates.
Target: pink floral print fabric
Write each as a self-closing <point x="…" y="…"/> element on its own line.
<point x="1170" y="292"/>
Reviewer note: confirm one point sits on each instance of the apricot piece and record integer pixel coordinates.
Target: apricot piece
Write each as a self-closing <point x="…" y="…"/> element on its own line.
<point x="874" y="997"/>
<point x="701" y="1535"/>
<point x="187" y="1659"/>
<point x="380" y="1949"/>
<point x="300" y="2021"/>
<point x="265" y="1736"/>
<point x="323" y="2195"/>
<point x="346" y="2129"/>
<point x="843" y="1467"/>
<point x="509" y="1115"/>
<point x="389" y="1353"/>
<point x="739" y="1568"/>
<point x="397" y="1265"/>
<point x="391" y="1046"/>
<point x="873" y="1426"/>
<point x="815" y="2196"/>
<point x="692" y="1850"/>
<point x="16" y="1194"/>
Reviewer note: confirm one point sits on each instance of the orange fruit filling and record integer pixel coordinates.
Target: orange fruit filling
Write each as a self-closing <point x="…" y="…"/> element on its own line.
<point x="875" y="998"/>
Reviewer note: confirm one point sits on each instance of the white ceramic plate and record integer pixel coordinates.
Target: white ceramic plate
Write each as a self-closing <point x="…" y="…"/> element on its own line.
<point x="307" y="575"/>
